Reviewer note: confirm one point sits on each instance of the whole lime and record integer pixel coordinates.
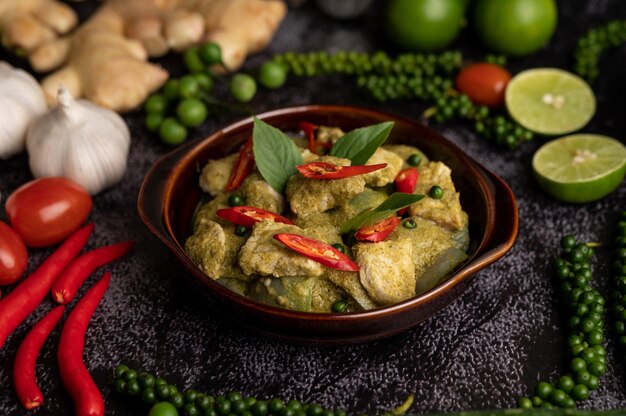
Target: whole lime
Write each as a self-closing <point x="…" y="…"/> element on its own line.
<point x="423" y="25"/>
<point x="515" y="27"/>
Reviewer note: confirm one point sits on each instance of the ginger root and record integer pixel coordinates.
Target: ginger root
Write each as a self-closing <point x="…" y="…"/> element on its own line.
<point x="105" y="58"/>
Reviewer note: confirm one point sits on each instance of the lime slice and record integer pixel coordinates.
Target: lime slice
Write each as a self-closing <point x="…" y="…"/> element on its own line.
<point x="580" y="167"/>
<point x="550" y="101"/>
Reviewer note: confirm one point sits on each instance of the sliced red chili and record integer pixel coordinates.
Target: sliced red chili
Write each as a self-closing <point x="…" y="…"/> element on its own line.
<point x="248" y="216"/>
<point x="318" y="251"/>
<point x="242" y="167"/>
<point x="309" y="132"/>
<point x="325" y="170"/>
<point x="379" y="231"/>
<point x="406" y="180"/>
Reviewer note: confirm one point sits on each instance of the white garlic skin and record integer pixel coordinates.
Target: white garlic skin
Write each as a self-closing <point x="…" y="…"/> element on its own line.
<point x="21" y="101"/>
<point x="80" y="141"/>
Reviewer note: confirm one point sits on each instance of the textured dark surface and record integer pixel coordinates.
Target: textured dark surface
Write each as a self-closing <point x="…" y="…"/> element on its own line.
<point x="483" y="351"/>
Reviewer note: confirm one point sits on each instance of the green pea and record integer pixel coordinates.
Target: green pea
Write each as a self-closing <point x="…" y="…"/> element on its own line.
<point x="340" y="247"/>
<point x="210" y="53"/>
<point x="191" y="112"/>
<point x="120" y="370"/>
<point x="235" y="200"/>
<point x="155" y="104"/>
<point x="272" y="75"/>
<point x="163" y="409"/>
<point x="242" y="87"/>
<point x="148" y="396"/>
<point x="192" y="60"/>
<point x="339" y="306"/>
<point x="172" y="132"/>
<point x="436" y="192"/>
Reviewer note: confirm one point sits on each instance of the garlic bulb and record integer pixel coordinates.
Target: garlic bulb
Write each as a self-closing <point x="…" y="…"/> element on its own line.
<point x="80" y="141"/>
<point x="21" y="101"/>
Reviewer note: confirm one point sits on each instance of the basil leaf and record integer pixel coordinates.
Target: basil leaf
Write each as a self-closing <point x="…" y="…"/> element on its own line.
<point x="275" y="154"/>
<point x="388" y="208"/>
<point x="360" y="144"/>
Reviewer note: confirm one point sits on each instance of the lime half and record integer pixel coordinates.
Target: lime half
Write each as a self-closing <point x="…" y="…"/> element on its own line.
<point x="580" y="167"/>
<point x="550" y="101"/>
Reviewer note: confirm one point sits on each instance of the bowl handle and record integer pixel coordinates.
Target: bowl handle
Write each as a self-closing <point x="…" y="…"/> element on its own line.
<point x="151" y="199"/>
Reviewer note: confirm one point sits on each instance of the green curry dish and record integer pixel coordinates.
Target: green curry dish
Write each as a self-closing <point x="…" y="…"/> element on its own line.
<point x="251" y="262"/>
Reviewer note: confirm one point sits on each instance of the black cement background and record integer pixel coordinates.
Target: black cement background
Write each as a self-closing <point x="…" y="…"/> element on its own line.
<point x="483" y="351"/>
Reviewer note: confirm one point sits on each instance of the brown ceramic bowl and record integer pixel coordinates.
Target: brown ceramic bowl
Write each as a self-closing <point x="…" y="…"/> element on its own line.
<point x="170" y="194"/>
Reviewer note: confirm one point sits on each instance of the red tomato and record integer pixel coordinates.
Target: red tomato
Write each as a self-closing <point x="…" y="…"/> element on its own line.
<point x="484" y="83"/>
<point x="13" y="257"/>
<point x="46" y="211"/>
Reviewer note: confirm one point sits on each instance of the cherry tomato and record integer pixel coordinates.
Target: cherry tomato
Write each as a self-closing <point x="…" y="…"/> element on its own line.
<point x="325" y="170"/>
<point x="13" y="257"/>
<point x="46" y="211"/>
<point x="484" y="83"/>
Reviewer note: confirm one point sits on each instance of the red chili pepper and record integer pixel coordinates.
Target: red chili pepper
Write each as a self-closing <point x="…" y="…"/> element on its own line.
<point x="318" y="251"/>
<point x="248" y="216"/>
<point x="24" y="378"/>
<point x="22" y="300"/>
<point x="66" y="285"/>
<point x="242" y="167"/>
<point x="379" y="231"/>
<point x="325" y="170"/>
<point x="406" y="180"/>
<point x="309" y="132"/>
<point x="74" y="374"/>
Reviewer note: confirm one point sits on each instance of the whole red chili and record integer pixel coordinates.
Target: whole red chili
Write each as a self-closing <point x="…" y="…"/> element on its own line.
<point x="74" y="374"/>
<point x="24" y="378"/>
<point x="242" y="167"/>
<point x="325" y="170"/>
<point x="248" y="216"/>
<point x="68" y="283"/>
<point x="22" y="300"/>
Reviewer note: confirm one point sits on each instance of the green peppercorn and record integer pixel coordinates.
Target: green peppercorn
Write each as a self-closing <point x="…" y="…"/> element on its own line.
<point x="130" y="374"/>
<point x="339" y="306"/>
<point x="148" y="396"/>
<point x="190" y="409"/>
<point x="145" y="379"/>
<point x="241" y="231"/>
<point x="275" y="405"/>
<point x="260" y="408"/>
<point x="210" y="53"/>
<point x="436" y="192"/>
<point x="120" y="385"/>
<point x="177" y="400"/>
<point x="414" y="160"/>
<point x="222" y="407"/>
<point x="340" y="247"/>
<point x="409" y="224"/>
<point x="235" y="200"/>
<point x="190" y="396"/>
<point x="132" y="387"/>
<point x="162" y="391"/>
<point x="120" y="370"/>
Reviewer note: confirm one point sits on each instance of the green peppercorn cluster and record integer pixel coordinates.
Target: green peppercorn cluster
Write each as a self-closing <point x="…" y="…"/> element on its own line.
<point x="585" y="321"/>
<point x="590" y="47"/>
<point x="618" y="294"/>
<point x="152" y="389"/>
<point x="310" y="64"/>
